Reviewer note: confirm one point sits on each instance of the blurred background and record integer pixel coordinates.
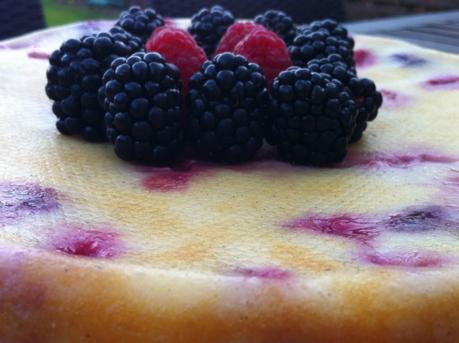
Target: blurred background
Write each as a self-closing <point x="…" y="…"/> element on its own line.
<point x="59" y="12"/>
<point x="433" y="21"/>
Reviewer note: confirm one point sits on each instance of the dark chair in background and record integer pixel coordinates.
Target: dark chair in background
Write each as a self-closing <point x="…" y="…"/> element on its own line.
<point x="20" y="16"/>
<point x="302" y="11"/>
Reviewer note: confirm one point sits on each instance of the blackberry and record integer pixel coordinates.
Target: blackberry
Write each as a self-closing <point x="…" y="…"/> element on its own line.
<point x="367" y="98"/>
<point x="313" y="117"/>
<point x="209" y="25"/>
<point x="321" y="39"/>
<point x="74" y="77"/>
<point x="144" y="116"/>
<point x="228" y="99"/>
<point x="140" y="23"/>
<point x="280" y="23"/>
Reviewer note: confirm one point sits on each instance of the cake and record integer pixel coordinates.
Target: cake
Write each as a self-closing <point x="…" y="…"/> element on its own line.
<point x="95" y="249"/>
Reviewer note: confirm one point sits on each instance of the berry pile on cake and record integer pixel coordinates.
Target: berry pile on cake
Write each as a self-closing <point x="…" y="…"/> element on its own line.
<point x="96" y="249"/>
<point x="222" y="88"/>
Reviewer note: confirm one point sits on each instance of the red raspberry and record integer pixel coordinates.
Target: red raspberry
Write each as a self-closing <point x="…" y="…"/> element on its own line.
<point x="234" y="34"/>
<point x="266" y="49"/>
<point x="178" y="47"/>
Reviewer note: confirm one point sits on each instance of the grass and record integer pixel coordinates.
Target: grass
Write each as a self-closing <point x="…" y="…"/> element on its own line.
<point x="59" y="14"/>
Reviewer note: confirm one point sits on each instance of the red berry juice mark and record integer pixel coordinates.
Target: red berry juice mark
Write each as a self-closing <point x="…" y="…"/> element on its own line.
<point x="20" y="200"/>
<point x="175" y="179"/>
<point x="394" y="160"/>
<point x="405" y="259"/>
<point x="442" y="82"/>
<point x="268" y="273"/>
<point x="364" y="58"/>
<point x="354" y="227"/>
<point x="38" y="55"/>
<point x="393" y="99"/>
<point x="78" y="241"/>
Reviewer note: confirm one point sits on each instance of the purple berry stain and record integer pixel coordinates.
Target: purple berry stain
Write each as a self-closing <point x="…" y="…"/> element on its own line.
<point x="364" y="58"/>
<point x="418" y="220"/>
<point x="442" y="82"/>
<point x="408" y="60"/>
<point x="353" y="227"/>
<point x="20" y="200"/>
<point x="267" y="273"/>
<point x="78" y="241"/>
<point x="404" y="259"/>
<point x="394" y="160"/>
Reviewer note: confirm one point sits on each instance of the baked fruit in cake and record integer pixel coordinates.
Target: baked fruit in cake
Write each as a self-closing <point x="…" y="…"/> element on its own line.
<point x="228" y="98"/>
<point x="209" y="25"/>
<point x="143" y="100"/>
<point x="99" y="250"/>
<point x="140" y="22"/>
<point x="74" y="78"/>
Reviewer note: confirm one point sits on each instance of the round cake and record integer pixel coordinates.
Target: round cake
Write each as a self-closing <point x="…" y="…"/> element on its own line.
<point x="95" y="249"/>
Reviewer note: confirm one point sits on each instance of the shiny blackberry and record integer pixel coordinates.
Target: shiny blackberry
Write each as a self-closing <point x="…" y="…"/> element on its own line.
<point x="228" y="99"/>
<point x="280" y="23"/>
<point x="140" y="23"/>
<point x="321" y="39"/>
<point x="313" y="117"/>
<point x="144" y="116"/>
<point x="209" y="25"/>
<point x="74" y="77"/>
<point x="367" y="97"/>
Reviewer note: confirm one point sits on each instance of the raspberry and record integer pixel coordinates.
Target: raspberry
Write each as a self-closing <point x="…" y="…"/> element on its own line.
<point x="234" y="34"/>
<point x="266" y="49"/>
<point x="179" y="48"/>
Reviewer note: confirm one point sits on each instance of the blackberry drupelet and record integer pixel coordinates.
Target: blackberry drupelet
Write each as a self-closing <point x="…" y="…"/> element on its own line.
<point x="144" y="116"/>
<point x="313" y="117"/>
<point x="367" y="98"/>
<point x="75" y="75"/>
<point x="280" y="23"/>
<point x="140" y="23"/>
<point x="209" y="25"/>
<point x="228" y="99"/>
<point x="321" y="39"/>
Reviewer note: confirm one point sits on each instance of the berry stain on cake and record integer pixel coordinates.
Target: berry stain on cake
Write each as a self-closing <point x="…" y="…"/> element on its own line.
<point x="442" y="82"/>
<point x="404" y="259"/>
<point x="408" y="60"/>
<point x="419" y="220"/>
<point x="38" y="55"/>
<point x="394" y="160"/>
<point x="266" y="273"/>
<point x="364" y="58"/>
<point x="175" y="179"/>
<point x="20" y="200"/>
<point x="78" y="241"/>
<point x="358" y="228"/>
<point x="365" y="228"/>
<point x="393" y="99"/>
